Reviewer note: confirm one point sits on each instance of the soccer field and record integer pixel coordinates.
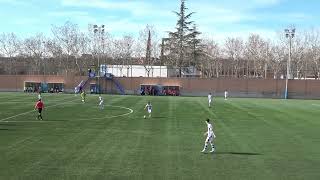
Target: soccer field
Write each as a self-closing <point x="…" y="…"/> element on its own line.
<point x="256" y="138"/>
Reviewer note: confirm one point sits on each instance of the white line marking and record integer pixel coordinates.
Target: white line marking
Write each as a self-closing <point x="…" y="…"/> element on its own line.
<point x="109" y="117"/>
<point x="1" y="120"/>
<point x="43" y="121"/>
<point x="23" y="102"/>
<point x="87" y="119"/>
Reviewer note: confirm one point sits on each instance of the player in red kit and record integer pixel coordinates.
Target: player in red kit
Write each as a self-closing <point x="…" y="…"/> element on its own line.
<point x="39" y="105"/>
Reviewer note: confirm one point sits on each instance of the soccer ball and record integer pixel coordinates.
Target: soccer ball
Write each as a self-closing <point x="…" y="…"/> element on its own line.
<point x="144" y="116"/>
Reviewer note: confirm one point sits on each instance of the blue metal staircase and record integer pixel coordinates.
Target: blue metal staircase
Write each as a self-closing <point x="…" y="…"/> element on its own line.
<point x="82" y="84"/>
<point x="120" y="88"/>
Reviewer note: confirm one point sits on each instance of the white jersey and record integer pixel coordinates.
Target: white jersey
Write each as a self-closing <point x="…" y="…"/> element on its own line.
<point x="101" y="100"/>
<point x="226" y="93"/>
<point x="209" y="97"/>
<point x="39" y="96"/>
<point x="149" y="107"/>
<point x="210" y="130"/>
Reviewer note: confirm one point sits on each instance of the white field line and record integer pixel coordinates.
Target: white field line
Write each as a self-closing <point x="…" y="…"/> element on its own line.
<point x="23" y="102"/>
<point x="4" y="119"/>
<point x="29" y="121"/>
<point x="109" y="117"/>
<point x="104" y="117"/>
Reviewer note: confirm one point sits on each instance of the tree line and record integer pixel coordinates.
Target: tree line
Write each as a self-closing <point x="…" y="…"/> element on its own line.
<point x="68" y="49"/>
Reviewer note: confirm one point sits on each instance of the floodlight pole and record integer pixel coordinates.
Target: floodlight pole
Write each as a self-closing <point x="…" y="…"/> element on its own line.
<point x="129" y="60"/>
<point x="99" y="30"/>
<point x="44" y="63"/>
<point x="289" y="34"/>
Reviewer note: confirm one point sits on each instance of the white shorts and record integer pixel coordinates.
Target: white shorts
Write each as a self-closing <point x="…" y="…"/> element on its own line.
<point x="149" y="111"/>
<point x="210" y="138"/>
<point x="209" y="101"/>
<point x="101" y="102"/>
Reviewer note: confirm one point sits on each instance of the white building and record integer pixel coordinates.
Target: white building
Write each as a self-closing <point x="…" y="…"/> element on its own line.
<point x="148" y="71"/>
<point x="135" y="70"/>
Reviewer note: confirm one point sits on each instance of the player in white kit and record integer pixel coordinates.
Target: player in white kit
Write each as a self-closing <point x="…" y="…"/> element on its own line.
<point x="149" y="108"/>
<point x="209" y="99"/>
<point x="75" y="91"/>
<point x="210" y="136"/>
<point x="225" y="95"/>
<point x="101" y="104"/>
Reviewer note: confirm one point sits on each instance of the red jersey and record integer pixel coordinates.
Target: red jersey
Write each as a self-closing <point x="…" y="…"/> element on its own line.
<point x="39" y="105"/>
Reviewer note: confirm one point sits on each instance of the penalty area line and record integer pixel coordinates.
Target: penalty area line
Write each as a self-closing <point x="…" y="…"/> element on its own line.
<point x="58" y="120"/>
<point x="40" y="121"/>
<point x="5" y="119"/>
<point x="106" y="117"/>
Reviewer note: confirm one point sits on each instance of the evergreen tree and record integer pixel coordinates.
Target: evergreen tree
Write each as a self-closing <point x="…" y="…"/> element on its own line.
<point x="196" y="48"/>
<point x="183" y="39"/>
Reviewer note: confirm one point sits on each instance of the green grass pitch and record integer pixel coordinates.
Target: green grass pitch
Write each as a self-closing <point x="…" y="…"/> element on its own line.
<point x="256" y="138"/>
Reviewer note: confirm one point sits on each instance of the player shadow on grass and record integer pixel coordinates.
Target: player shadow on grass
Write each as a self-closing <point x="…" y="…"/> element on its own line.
<point x="239" y="153"/>
<point x="4" y="129"/>
<point x="8" y="124"/>
<point x="53" y="120"/>
<point x="158" y="117"/>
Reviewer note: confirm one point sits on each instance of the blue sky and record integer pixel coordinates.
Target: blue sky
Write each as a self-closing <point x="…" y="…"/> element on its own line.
<point x="215" y="18"/>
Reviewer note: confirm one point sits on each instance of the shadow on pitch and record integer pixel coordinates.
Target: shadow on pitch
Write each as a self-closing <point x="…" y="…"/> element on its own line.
<point x="158" y="117"/>
<point x="240" y="153"/>
<point x="8" y="124"/>
<point x="4" y="129"/>
<point x="48" y="120"/>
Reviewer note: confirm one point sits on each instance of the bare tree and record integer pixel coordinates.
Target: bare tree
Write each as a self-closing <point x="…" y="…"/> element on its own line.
<point x="34" y="48"/>
<point x="122" y="52"/>
<point x="147" y="48"/>
<point x="313" y="45"/>
<point x="211" y="65"/>
<point x="276" y="60"/>
<point x="53" y="56"/>
<point x="234" y="49"/>
<point x="81" y="46"/>
<point x="67" y="36"/>
<point x="298" y="57"/>
<point x="129" y="42"/>
<point x="71" y="49"/>
<point x="254" y="52"/>
<point x="54" y="53"/>
<point x="9" y="47"/>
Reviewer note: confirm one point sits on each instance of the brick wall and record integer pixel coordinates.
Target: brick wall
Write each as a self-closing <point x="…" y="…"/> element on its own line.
<point x="269" y="88"/>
